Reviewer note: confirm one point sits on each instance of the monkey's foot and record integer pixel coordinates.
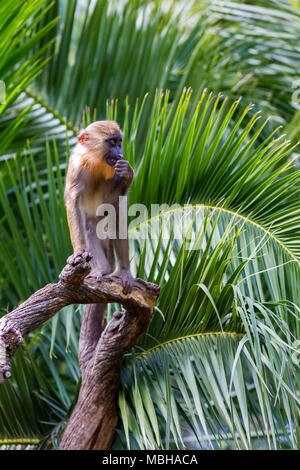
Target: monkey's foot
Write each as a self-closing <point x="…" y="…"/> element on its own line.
<point x="126" y="279"/>
<point x="100" y="274"/>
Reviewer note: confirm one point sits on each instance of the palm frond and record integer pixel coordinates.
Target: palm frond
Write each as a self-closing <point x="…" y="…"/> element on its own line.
<point x="23" y="414"/>
<point x="207" y="159"/>
<point x="212" y="388"/>
<point x="217" y="362"/>
<point x="218" y="365"/>
<point x="18" y="65"/>
<point x="107" y="50"/>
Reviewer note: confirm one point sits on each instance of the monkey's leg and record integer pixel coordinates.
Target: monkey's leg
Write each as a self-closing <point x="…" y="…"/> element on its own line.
<point x="93" y="322"/>
<point x="122" y="270"/>
<point x="99" y="249"/>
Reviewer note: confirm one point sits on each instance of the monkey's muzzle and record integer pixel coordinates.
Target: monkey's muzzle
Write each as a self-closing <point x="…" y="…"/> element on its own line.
<point x="113" y="159"/>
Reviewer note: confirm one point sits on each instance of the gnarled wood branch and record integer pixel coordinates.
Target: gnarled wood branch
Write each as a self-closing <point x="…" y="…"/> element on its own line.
<point x="94" y="417"/>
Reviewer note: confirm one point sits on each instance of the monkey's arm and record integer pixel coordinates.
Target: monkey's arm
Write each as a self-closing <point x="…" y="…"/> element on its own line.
<point x="73" y="190"/>
<point x="75" y="223"/>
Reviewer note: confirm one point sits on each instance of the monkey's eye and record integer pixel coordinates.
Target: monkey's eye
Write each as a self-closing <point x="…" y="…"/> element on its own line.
<point x="113" y="142"/>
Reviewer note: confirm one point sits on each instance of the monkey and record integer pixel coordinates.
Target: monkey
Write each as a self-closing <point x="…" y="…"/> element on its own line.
<point x="98" y="174"/>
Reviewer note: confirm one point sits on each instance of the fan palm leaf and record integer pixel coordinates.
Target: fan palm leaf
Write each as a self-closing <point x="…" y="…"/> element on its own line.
<point x="230" y="357"/>
<point x="218" y="366"/>
<point x="226" y="278"/>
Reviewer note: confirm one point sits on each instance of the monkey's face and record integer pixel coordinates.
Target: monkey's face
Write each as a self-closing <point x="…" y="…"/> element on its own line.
<point x="114" y="149"/>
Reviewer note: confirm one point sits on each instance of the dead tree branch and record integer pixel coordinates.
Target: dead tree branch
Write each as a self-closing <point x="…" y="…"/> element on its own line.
<point x="94" y="418"/>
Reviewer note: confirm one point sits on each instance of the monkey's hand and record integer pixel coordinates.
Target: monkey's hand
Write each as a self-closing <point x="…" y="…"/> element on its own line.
<point x="123" y="170"/>
<point x="126" y="279"/>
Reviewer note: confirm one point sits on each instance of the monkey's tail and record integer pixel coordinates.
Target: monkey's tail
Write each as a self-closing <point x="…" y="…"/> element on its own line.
<point x="93" y="323"/>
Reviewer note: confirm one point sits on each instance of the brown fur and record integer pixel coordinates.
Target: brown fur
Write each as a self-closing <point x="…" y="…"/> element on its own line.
<point x="89" y="183"/>
<point x="97" y="132"/>
<point x="87" y="158"/>
<point x="97" y="168"/>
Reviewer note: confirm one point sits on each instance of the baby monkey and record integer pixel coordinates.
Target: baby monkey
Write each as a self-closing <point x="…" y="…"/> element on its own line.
<point x="98" y="174"/>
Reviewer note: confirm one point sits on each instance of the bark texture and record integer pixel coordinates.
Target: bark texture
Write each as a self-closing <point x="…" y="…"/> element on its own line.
<point x="94" y="418"/>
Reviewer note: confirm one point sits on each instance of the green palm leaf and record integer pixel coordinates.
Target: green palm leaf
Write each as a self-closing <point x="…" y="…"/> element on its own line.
<point x="232" y="369"/>
<point x="18" y="66"/>
<point x="218" y="366"/>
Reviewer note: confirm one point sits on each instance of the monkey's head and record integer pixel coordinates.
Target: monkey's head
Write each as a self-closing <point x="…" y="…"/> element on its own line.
<point x="104" y="138"/>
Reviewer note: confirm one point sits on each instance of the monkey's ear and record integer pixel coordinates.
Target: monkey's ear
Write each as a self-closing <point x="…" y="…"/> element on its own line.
<point x="82" y="137"/>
